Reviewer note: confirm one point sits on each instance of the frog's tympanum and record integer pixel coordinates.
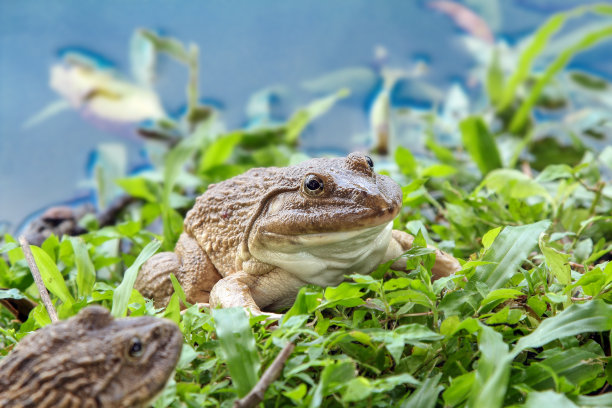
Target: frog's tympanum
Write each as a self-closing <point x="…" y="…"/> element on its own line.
<point x="91" y="360"/>
<point x="255" y="239"/>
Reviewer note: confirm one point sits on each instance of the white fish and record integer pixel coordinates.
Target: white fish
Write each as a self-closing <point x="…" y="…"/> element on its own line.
<point x="104" y="95"/>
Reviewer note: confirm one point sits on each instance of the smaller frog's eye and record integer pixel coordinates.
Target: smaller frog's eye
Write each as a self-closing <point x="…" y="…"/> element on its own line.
<point x="136" y="348"/>
<point x="313" y="185"/>
<point x="370" y="161"/>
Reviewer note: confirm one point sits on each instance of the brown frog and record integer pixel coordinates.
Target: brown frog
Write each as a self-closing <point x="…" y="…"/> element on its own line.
<point x="255" y="239"/>
<point x="91" y="360"/>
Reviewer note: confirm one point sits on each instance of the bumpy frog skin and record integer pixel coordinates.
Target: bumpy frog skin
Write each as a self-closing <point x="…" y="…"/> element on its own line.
<point x="254" y="240"/>
<point x="91" y="360"/>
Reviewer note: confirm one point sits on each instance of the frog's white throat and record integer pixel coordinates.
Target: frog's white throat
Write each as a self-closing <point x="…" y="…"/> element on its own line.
<point x="322" y="259"/>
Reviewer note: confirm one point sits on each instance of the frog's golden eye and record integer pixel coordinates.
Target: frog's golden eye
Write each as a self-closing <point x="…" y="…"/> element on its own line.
<point x="136" y="348"/>
<point x="370" y="162"/>
<point x="313" y="185"/>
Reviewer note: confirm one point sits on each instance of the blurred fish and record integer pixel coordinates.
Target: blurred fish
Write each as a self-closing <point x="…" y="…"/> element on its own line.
<point x="102" y="95"/>
<point x="464" y="18"/>
<point x="98" y="93"/>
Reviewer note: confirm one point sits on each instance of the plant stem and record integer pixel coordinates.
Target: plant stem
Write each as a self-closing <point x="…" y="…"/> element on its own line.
<point x="256" y="395"/>
<point x="42" y="290"/>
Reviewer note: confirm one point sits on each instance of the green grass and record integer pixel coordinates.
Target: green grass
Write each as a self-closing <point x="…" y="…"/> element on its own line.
<point x="526" y="322"/>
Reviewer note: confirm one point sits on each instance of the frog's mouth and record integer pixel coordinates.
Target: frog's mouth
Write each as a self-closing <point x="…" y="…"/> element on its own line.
<point x="324" y="258"/>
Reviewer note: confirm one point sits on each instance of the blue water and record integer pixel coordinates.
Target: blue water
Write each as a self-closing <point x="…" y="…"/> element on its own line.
<point x="245" y="46"/>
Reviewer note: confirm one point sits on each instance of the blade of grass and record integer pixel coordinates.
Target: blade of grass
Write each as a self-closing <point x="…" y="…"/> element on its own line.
<point x="86" y="273"/>
<point x="520" y="117"/>
<point x="122" y="294"/>
<point x="508" y="251"/>
<point x="237" y="347"/>
<point x="592" y="316"/>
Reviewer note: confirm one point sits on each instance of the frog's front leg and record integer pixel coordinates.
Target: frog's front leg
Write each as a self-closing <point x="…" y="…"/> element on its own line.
<point x="445" y="264"/>
<point x="270" y="291"/>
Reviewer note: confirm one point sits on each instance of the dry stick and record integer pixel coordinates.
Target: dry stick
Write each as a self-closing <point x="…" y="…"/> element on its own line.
<point x="42" y="290"/>
<point x="256" y="395"/>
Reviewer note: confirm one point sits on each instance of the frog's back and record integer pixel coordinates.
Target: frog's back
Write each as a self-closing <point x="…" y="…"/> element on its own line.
<point x="220" y="218"/>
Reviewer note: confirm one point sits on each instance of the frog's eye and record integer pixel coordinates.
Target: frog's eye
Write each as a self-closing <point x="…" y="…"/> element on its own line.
<point x="136" y="348"/>
<point x="313" y="185"/>
<point x="369" y="161"/>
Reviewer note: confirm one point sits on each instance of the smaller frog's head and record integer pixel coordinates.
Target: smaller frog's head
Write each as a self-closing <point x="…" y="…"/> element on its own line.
<point x="332" y="195"/>
<point x="143" y="350"/>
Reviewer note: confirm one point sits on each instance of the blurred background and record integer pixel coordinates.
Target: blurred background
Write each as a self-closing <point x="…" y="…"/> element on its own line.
<point x="77" y="78"/>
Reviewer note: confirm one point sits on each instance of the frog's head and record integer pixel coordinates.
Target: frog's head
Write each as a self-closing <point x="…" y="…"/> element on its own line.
<point x="332" y="195"/>
<point x="143" y="350"/>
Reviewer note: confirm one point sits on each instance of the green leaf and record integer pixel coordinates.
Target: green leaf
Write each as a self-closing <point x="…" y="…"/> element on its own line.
<point x="459" y="389"/>
<point x="589" y="40"/>
<point x="219" y="151"/>
<point x="426" y="395"/>
<point x="174" y="162"/>
<point x="86" y="273"/>
<point x="548" y="399"/>
<point x="439" y="170"/>
<point x="557" y="262"/>
<point x="141" y="188"/>
<point x="508" y="252"/>
<point x="296" y="394"/>
<point x="51" y="276"/>
<point x="512" y="183"/>
<point x="168" y="45"/>
<point x="500" y="294"/>
<point x="121" y="296"/>
<point x="495" y="79"/>
<point x="492" y="374"/>
<point x="554" y="172"/>
<point x="406" y="161"/>
<point x="396" y="340"/>
<point x="334" y="377"/>
<point x="179" y="290"/>
<point x="480" y="144"/>
<point x="592" y="316"/>
<point x="489" y="237"/>
<point x="536" y="46"/>
<point x="578" y="365"/>
<point x="357" y="389"/>
<point x="237" y="347"/>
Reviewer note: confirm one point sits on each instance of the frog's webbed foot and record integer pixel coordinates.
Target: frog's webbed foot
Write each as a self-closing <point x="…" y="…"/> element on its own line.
<point x="273" y="290"/>
<point x="234" y="291"/>
<point x="445" y="264"/>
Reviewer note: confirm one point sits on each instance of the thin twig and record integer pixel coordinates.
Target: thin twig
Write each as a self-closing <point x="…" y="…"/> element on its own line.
<point x="42" y="290"/>
<point x="580" y="299"/>
<point x="256" y="395"/>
